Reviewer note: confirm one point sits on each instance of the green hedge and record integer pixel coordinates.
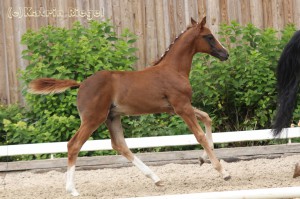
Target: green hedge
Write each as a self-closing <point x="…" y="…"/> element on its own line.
<point x="238" y="94"/>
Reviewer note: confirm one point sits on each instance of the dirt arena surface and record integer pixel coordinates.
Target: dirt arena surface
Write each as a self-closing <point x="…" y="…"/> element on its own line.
<point x="129" y="182"/>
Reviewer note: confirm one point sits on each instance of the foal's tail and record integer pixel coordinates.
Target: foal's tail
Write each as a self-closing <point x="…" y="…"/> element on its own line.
<point x="288" y="76"/>
<point x="51" y="86"/>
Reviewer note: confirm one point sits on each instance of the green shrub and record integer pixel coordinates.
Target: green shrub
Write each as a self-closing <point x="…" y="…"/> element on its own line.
<point x="66" y="54"/>
<point x="14" y="113"/>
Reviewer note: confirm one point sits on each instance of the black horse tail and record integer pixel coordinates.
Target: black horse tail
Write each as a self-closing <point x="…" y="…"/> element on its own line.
<point x="288" y="76"/>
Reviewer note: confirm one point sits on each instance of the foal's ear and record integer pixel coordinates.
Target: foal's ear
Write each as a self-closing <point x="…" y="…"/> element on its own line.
<point x="203" y="22"/>
<point x="193" y="21"/>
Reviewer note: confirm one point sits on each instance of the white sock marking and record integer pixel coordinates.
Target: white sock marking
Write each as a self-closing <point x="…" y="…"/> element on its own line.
<point x="70" y="187"/>
<point x="145" y="169"/>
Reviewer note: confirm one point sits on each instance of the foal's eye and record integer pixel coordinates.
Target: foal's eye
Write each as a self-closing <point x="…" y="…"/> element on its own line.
<point x="210" y="38"/>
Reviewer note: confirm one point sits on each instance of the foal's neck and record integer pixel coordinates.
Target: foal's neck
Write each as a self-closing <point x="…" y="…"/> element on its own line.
<point x="180" y="56"/>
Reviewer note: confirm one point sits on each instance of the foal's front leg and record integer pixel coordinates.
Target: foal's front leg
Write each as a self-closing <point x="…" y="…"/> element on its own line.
<point x="204" y="117"/>
<point x="185" y="110"/>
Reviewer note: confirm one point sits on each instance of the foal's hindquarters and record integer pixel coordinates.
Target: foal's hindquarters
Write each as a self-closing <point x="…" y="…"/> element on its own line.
<point x="100" y="100"/>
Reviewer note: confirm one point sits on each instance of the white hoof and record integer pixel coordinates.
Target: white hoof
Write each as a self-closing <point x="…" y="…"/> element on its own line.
<point x="74" y="193"/>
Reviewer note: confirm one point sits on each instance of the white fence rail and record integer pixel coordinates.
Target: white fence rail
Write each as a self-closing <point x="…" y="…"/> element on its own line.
<point x="147" y="142"/>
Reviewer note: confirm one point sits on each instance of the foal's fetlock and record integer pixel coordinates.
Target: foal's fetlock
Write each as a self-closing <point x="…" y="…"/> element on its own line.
<point x="226" y="176"/>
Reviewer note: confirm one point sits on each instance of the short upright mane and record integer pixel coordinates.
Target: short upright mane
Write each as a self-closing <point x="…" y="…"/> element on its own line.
<point x="170" y="46"/>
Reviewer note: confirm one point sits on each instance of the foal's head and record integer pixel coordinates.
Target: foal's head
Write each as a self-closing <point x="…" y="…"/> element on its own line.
<point x="207" y="43"/>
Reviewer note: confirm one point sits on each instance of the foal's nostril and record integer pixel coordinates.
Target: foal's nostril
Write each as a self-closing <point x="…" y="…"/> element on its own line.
<point x="224" y="56"/>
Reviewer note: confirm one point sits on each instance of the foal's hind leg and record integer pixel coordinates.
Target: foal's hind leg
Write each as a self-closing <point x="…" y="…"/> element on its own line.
<point x="118" y="143"/>
<point x="204" y="117"/>
<point x="92" y="116"/>
<point x="74" y="146"/>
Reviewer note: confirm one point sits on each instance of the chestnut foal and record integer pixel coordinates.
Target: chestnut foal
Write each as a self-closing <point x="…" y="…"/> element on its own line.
<point x="164" y="87"/>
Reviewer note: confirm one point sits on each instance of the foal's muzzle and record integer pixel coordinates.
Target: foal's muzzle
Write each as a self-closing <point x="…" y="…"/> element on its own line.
<point x="220" y="54"/>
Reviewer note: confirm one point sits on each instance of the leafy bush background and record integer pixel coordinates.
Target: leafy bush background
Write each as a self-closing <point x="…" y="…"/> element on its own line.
<point x="238" y="94"/>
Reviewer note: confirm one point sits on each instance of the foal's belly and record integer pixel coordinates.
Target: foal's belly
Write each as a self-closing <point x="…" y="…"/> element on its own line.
<point x="140" y="108"/>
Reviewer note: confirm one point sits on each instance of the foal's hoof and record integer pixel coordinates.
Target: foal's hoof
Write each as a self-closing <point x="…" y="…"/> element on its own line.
<point x="201" y="161"/>
<point x="226" y="178"/>
<point x="297" y="171"/>
<point x="73" y="193"/>
<point x="160" y="183"/>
